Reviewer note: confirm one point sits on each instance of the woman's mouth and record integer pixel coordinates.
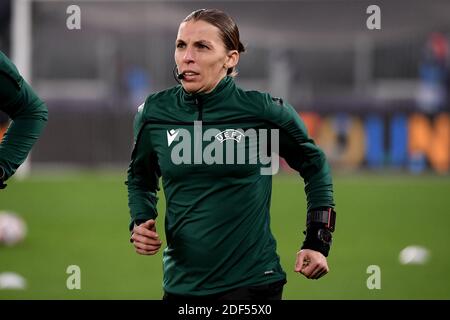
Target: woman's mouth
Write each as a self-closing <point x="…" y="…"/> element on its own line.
<point x="189" y="75"/>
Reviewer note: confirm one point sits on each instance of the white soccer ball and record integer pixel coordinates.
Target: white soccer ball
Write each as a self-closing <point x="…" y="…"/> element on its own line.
<point x="414" y="255"/>
<point x="12" y="228"/>
<point x="12" y="280"/>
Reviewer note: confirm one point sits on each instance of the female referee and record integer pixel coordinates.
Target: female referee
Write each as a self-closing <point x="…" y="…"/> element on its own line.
<point x="217" y="223"/>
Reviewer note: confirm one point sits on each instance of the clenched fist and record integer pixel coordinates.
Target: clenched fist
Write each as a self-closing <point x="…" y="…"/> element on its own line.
<point x="145" y="239"/>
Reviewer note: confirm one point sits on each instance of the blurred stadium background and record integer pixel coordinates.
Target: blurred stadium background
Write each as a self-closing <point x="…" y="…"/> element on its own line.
<point x="377" y="102"/>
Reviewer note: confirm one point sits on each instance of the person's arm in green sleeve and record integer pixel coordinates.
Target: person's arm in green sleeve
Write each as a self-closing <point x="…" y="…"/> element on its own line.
<point x="303" y="155"/>
<point x="143" y="176"/>
<point x="29" y="116"/>
<point x="143" y="185"/>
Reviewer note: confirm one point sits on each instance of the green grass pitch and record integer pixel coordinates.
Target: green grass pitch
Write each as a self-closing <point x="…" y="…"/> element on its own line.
<point x="81" y="219"/>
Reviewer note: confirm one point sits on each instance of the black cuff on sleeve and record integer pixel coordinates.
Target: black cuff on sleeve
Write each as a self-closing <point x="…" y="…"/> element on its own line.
<point x="313" y="242"/>
<point x="2" y="177"/>
<point x="137" y="222"/>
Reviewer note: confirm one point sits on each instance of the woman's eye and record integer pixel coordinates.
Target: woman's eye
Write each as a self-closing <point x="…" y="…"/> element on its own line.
<point x="202" y="46"/>
<point x="180" y="45"/>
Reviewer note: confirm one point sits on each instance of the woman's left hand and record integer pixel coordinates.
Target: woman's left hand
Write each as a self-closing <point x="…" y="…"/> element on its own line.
<point x="312" y="264"/>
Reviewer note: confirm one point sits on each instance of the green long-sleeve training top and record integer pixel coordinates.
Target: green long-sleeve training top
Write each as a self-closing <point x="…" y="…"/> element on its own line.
<point x="28" y="114"/>
<point x="206" y="147"/>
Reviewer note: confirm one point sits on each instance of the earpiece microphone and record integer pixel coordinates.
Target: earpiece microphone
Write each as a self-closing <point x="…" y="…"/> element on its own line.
<point x="177" y="76"/>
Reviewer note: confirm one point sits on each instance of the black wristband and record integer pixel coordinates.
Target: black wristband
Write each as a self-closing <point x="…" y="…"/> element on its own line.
<point x="327" y="216"/>
<point x="312" y="240"/>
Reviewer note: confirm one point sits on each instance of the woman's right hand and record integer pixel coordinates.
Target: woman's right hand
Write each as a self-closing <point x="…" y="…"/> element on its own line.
<point x="145" y="239"/>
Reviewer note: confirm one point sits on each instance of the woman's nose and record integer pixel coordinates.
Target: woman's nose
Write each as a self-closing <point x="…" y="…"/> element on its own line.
<point x="188" y="55"/>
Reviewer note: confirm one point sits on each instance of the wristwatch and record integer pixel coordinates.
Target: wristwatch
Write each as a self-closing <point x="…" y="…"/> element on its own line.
<point x="325" y="236"/>
<point x="320" y="224"/>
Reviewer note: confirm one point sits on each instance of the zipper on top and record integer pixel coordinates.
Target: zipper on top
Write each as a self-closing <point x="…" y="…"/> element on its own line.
<point x="200" y="109"/>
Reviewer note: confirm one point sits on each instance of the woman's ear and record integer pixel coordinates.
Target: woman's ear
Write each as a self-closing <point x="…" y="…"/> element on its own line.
<point x="232" y="59"/>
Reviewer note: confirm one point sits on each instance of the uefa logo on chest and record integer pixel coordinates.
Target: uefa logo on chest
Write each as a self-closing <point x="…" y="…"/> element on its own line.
<point x="230" y="134"/>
